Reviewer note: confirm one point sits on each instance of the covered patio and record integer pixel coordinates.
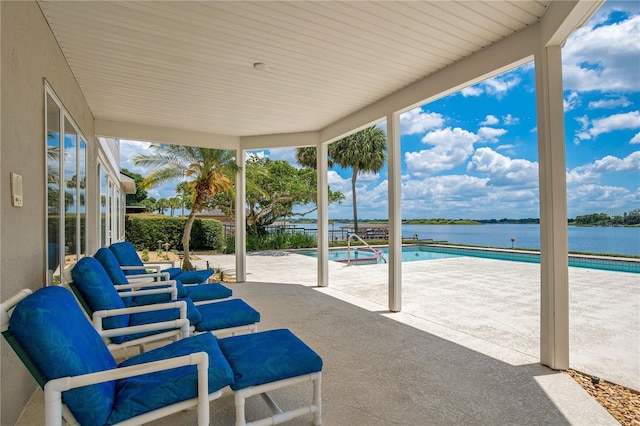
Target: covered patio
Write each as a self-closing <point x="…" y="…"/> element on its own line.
<point x="262" y="75"/>
<point x="444" y="360"/>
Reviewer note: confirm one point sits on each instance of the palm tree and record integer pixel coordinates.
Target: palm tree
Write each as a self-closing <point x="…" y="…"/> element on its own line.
<point x="174" y="204"/>
<point x="363" y="151"/>
<point x="210" y="171"/>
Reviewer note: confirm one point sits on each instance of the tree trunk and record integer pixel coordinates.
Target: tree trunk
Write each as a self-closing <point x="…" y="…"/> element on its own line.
<point x="186" y="236"/>
<point x="354" y="176"/>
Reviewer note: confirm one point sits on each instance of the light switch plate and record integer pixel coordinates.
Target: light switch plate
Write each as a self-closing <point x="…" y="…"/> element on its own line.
<point x="16" y="190"/>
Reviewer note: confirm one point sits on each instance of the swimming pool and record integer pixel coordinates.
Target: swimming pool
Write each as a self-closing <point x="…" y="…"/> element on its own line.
<point x="418" y="252"/>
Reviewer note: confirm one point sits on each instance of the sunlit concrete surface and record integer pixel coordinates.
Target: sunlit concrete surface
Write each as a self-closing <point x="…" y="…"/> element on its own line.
<point x="464" y="349"/>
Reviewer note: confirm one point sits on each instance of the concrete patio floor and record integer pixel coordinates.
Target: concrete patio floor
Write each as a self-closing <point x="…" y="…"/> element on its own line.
<point x="464" y="350"/>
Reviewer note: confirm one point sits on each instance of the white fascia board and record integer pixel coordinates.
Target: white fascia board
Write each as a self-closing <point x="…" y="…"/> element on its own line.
<point x="282" y="140"/>
<point x="157" y="134"/>
<point x="507" y="54"/>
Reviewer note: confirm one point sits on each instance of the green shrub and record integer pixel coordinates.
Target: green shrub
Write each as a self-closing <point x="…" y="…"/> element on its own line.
<point x="277" y="240"/>
<point x="144" y="232"/>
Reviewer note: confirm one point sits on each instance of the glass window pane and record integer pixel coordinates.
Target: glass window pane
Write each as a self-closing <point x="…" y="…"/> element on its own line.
<point x="53" y="192"/>
<point x="82" y="194"/>
<point x="103" y="208"/>
<point x="70" y="194"/>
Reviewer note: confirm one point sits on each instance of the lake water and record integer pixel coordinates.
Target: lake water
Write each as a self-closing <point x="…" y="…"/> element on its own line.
<point x="611" y="240"/>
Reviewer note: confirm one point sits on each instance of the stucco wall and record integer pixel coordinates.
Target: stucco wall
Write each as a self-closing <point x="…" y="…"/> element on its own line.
<point x="29" y="56"/>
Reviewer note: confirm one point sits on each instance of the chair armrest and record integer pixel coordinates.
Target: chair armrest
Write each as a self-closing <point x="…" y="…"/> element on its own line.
<point x="141" y="268"/>
<point x="98" y="316"/>
<point x="171" y="263"/>
<point x="53" y="389"/>
<point x="147" y="288"/>
<point x="164" y="276"/>
<point x="179" y="324"/>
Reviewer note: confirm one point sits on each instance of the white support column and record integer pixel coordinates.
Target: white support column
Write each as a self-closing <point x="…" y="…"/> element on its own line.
<point x="241" y="214"/>
<point x="323" y="214"/>
<point x="395" y="213"/>
<point x="554" y="269"/>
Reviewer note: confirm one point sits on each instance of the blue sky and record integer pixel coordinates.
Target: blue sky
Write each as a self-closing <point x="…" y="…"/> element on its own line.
<point x="474" y="154"/>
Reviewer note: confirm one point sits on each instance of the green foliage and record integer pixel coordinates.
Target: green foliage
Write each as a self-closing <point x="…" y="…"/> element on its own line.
<point x="145" y="255"/>
<point x="141" y="194"/>
<point x="602" y="219"/>
<point x="276" y="188"/>
<point x="145" y="231"/>
<point x="277" y="240"/>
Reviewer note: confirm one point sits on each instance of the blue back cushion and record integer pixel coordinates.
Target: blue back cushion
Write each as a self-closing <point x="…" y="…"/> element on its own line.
<point x="61" y="342"/>
<point x="97" y="289"/>
<point x="110" y="264"/>
<point x="126" y="254"/>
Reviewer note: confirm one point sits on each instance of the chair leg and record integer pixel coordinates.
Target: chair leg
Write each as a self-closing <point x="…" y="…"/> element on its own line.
<point x="240" y="398"/>
<point x="317" y="399"/>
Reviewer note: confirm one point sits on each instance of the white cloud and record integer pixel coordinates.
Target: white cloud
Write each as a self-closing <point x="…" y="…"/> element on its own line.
<point x="603" y="57"/>
<point x="600" y="198"/>
<point x="418" y="121"/>
<point x="636" y="138"/>
<point x="621" y="101"/>
<point x="286" y="154"/>
<point x="510" y="120"/>
<point x="622" y="121"/>
<point x="592" y="172"/>
<point x="128" y="149"/>
<point x="490" y="120"/>
<point x="497" y="86"/>
<point x="572" y="101"/>
<point x="503" y="170"/>
<point x="451" y="147"/>
<point x="500" y="85"/>
<point x="629" y="120"/>
<point x="472" y="91"/>
<point x="614" y="164"/>
<point x="490" y="134"/>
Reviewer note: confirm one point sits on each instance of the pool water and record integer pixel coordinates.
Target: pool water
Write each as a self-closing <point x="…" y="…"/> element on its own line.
<point x="415" y="253"/>
<point x="409" y="254"/>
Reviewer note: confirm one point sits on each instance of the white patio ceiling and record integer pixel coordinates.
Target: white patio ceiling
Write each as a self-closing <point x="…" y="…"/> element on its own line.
<point x="189" y="65"/>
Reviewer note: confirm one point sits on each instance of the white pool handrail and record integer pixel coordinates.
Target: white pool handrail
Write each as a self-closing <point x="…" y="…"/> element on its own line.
<point x="376" y="253"/>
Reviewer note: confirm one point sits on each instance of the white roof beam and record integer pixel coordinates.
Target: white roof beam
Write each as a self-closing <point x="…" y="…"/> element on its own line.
<point x="141" y="132"/>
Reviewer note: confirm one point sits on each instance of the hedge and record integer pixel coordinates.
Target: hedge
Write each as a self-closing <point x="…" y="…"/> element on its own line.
<point x="144" y="232"/>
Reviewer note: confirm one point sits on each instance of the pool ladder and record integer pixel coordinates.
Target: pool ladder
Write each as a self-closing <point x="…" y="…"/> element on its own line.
<point x="376" y="253"/>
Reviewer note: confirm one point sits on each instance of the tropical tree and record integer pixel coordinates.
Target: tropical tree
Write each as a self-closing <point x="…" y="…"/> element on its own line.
<point x="208" y="171"/>
<point x="174" y="204"/>
<point x="364" y="151"/>
<point x="141" y="194"/>
<point x="162" y="204"/>
<point x="184" y="193"/>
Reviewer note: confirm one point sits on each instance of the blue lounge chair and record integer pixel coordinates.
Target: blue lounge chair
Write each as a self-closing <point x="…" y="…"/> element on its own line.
<point x="199" y="294"/>
<point x="110" y="309"/>
<point x="83" y="384"/>
<point x="131" y="263"/>
<point x="69" y="360"/>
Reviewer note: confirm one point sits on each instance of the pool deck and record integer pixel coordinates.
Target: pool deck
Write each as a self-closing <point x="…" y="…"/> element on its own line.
<point x="464" y="349"/>
<point x="486" y="301"/>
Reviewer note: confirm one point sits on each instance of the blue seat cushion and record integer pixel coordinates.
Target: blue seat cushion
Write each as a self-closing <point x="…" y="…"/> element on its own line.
<point x="158" y="298"/>
<point x="173" y="272"/>
<point x="203" y="292"/>
<point x="268" y="356"/>
<point x="57" y="337"/>
<point x="138" y="395"/>
<point x="96" y="288"/>
<point x="225" y="314"/>
<point x="126" y="254"/>
<point x="192" y="277"/>
<point x="142" y="318"/>
<point x="113" y="269"/>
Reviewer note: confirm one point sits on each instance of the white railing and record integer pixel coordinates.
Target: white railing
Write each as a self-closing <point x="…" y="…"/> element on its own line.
<point x="376" y="253"/>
